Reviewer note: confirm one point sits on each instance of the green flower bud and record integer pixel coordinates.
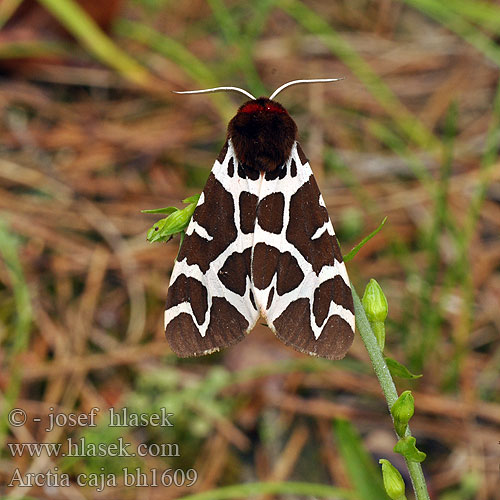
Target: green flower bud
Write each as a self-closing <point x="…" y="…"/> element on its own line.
<point x="374" y="302"/>
<point x="393" y="482"/>
<point x="402" y="410"/>
<point x="376" y="308"/>
<point x="176" y="222"/>
<point x="407" y="447"/>
<point x="179" y="220"/>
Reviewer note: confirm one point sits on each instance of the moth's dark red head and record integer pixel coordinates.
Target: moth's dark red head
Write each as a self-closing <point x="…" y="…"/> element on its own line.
<point x="262" y="107"/>
<point x="262" y="133"/>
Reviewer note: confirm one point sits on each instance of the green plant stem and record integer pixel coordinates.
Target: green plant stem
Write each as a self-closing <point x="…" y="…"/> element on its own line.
<point x="388" y="387"/>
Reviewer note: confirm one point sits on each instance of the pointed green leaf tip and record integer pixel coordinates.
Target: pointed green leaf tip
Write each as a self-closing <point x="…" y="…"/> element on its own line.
<point x="402" y="410"/>
<point x="399" y="370"/>
<point x="393" y="482"/>
<point x="363" y="242"/>
<point x="407" y="447"/>
<point x="376" y="308"/>
<point x="176" y="221"/>
<point x="166" y="210"/>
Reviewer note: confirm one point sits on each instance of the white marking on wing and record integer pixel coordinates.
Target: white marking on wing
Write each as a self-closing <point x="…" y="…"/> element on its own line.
<point x="194" y="227"/>
<point x="320" y="231"/>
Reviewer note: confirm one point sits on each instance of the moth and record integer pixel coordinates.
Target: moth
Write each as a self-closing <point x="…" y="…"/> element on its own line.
<point x="260" y="243"/>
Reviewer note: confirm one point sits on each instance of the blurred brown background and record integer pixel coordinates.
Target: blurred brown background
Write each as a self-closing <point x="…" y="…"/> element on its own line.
<point x="90" y="134"/>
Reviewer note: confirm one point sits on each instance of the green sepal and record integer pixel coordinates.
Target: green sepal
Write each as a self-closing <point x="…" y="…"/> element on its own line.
<point x="399" y="370"/>
<point x="407" y="447"/>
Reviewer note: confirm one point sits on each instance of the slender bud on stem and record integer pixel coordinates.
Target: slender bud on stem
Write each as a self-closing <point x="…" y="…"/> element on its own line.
<point x="376" y="307"/>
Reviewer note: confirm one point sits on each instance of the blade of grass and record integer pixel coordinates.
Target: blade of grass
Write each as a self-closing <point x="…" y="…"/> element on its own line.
<point x="7" y="9"/>
<point x="234" y="37"/>
<point x="362" y="472"/>
<point x="32" y="48"/>
<point x="168" y="47"/>
<point x="225" y="21"/>
<point x="178" y="54"/>
<point x="397" y="245"/>
<point x="461" y="270"/>
<point x="412" y="128"/>
<point x="487" y="15"/>
<point x="85" y="30"/>
<point x="416" y="165"/>
<point x="336" y="164"/>
<point x="431" y="317"/>
<point x="454" y="21"/>
<point x="9" y="250"/>
<point x="255" y="26"/>
<point x="389" y="138"/>
<point x="290" y="488"/>
<point x="489" y="162"/>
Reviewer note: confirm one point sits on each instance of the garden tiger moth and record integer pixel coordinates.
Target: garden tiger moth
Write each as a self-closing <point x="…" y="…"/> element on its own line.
<point x="260" y="243"/>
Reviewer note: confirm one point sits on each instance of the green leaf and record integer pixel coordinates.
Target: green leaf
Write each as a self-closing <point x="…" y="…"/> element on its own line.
<point x="359" y="246"/>
<point x="192" y="199"/>
<point x="361" y="469"/>
<point x="399" y="370"/>
<point x="406" y="447"/>
<point x="166" y="210"/>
